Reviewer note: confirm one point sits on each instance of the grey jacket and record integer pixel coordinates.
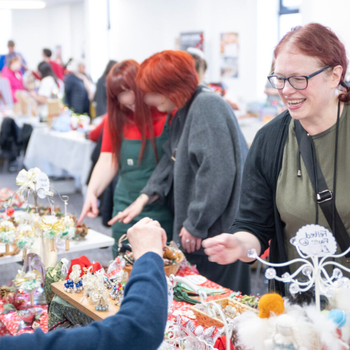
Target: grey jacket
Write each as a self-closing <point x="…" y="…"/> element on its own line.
<point x="209" y="151"/>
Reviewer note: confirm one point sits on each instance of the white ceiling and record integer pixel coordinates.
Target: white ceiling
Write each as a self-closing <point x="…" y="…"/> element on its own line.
<point x="60" y="2"/>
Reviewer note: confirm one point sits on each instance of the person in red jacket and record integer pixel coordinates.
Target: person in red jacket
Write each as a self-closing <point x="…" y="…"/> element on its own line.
<point x="57" y="69"/>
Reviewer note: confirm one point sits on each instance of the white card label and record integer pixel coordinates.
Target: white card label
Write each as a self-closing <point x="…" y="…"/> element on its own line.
<point x="43" y="183"/>
<point x="196" y="279"/>
<point x="315" y="240"/>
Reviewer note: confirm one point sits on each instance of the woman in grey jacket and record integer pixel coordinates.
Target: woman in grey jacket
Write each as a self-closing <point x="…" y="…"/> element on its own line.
<point x="200" y="173"/>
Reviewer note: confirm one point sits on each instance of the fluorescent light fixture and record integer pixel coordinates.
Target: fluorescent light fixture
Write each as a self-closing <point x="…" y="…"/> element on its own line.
<point x="21" y="4"/>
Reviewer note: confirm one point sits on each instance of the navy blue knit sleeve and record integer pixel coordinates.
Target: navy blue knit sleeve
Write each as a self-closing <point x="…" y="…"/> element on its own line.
<point x="139" y="324"/>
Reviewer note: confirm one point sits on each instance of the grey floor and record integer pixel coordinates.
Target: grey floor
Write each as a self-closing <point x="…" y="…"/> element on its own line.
<point x="104" y="256"/>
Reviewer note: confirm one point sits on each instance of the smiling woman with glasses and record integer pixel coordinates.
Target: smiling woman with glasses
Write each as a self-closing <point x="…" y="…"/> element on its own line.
<point x="298" y="167"/>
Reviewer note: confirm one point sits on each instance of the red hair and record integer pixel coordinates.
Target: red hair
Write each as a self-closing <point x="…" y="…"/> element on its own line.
<point x="170" y="73"/>
<point x="120" y="78"/>
<point x="318" y="41"/>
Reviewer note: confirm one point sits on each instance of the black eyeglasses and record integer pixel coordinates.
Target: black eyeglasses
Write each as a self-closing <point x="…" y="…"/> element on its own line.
<point x="298" y="82"/>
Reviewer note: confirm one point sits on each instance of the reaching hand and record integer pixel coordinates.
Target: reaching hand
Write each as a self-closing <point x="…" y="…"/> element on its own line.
<point x="224" y="249"/>
<point x="89" y="208"/>
<point x="147" y="236"/>
<point x="131" y="211"/>
<point x="189" y="242"/>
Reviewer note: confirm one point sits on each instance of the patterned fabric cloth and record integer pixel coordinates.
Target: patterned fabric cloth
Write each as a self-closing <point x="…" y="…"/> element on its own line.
<point x="60" y="311"/>
<point x="53" y="274"/>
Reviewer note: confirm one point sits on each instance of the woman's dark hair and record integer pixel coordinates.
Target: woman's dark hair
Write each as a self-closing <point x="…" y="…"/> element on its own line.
<point x="45" y="70"/>
<point x="200" y="63"/>
<point x="47" y="52"/>
<point x="109" y="66"/>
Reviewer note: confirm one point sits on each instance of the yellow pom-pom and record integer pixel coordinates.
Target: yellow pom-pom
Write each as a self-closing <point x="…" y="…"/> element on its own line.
<point x="271" y="303"/>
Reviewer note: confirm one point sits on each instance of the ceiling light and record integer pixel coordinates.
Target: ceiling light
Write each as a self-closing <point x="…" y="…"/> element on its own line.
<point x="21" y="4"/>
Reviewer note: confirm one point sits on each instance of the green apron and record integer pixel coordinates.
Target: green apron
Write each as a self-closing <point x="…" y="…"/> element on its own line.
<point x="133" y="177"/>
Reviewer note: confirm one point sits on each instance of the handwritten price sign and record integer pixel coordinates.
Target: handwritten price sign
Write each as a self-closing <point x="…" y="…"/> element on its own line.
<point x="315" y="240"/>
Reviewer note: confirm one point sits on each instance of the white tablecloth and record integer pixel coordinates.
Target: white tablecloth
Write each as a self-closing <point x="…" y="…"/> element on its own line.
<point x="60" y="154"/>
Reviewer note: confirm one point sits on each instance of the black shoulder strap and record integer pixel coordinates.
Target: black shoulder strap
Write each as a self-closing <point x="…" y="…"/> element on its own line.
<point x="324" y="196"/>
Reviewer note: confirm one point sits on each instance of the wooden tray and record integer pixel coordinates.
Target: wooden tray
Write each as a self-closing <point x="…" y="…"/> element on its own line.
<point x="86" y="306"/>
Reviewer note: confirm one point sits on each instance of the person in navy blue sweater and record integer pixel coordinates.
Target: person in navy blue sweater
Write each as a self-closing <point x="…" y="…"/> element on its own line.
<point x="140" y="322"/>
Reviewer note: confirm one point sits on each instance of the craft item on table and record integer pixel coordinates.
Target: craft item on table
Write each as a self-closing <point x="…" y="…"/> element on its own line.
<point x="75" y="283"/>
<point x="99" y="295"/>
<point x="25" y="238"/>
<point x="8" y="234"/>
<point x="271" y="304"/>
<point x="27" y="180"/>
<point x="187" y="337"/>
<point x="84" y="264"/>
<point x="181" y="295"/>
<point x="69" y="231"/>
<point x="81" y="231"/>
<point x="53" y="274"/>
<point x="117" y="292"/>
<point x="52" y="229"/>
<point x="172" y="257"/>
<point x="115" y="269"/>
<point x="29" y="282"/>
<point x="108" y="283"/>
<point x="7" y="195"/>
<point x="285" y="335"/>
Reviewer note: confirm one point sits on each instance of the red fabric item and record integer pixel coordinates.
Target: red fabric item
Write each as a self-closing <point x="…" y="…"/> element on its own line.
<point x="94" y="134"/>
<point x="57" y="69"/>
<point x="266" y="253"/>
<point x="132" y="133"/>
<point x="220" y="343"/>
<point x="83" y="261"/>
<point x="15" y="80"/>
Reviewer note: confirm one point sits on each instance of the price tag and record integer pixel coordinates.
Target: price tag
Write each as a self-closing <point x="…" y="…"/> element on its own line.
<point x="315" y="240"/>
<point x="42" y="185"/>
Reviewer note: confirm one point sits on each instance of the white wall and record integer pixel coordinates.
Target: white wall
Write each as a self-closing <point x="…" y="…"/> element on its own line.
<point x="33" y="30"/>
<point x="140" y="28"/>
<point x="332" y="13"/>
<point x="5" y="29"/>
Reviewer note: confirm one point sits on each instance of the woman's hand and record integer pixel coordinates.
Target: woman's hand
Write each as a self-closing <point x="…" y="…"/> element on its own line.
<point x="131" y="211"/>
<point x="189" y="243"/>
<point x="228" y="248"/>
<point x="89" y="208"/>
<point x="224" y="249"/>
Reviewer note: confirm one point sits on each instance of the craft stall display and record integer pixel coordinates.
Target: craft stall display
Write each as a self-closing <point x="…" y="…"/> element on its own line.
<point x="34" y="228"/>
<point x="201" y="314"/>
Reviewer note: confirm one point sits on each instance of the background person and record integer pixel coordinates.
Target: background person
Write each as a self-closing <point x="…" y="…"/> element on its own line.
<point x="56" y="68"/>
<point x="14" y="75"/>
<point x="201" y="171"/>
<point x="101" y="91"/>
<point x="132" y="144"/>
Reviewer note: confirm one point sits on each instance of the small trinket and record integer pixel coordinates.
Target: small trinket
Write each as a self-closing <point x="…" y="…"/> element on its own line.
<point x="75" y="283"/>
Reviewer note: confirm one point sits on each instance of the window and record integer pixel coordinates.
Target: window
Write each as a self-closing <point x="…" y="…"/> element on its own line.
<point x="289" y="16"/>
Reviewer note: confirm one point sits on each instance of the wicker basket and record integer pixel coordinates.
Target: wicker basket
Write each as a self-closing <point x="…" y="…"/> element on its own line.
<point x="169" y="270"/>
<point x="206" y="321"/>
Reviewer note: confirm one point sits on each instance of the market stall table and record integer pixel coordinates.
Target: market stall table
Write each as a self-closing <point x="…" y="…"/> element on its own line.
<point x="84" y="304"/>
<point x="60" y="154"/>
<point x="92" y="240"/>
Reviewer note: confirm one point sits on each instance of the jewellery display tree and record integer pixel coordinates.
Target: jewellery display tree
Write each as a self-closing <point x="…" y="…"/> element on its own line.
<point x="315" y="245"/>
